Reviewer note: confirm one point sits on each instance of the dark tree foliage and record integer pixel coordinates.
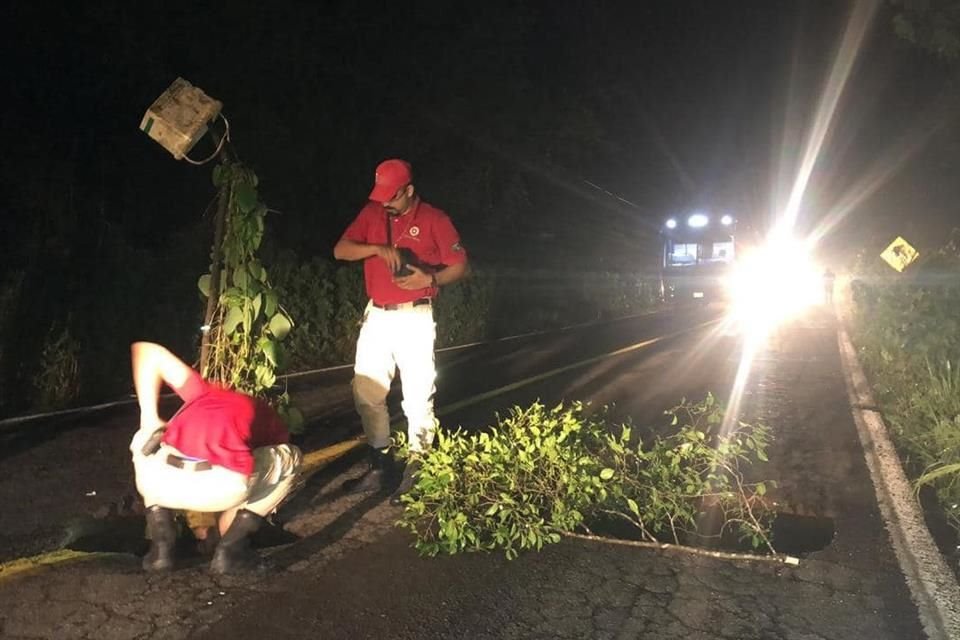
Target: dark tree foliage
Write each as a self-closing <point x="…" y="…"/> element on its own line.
<point x="931" y="25"/>
<point x="540" y="128"/>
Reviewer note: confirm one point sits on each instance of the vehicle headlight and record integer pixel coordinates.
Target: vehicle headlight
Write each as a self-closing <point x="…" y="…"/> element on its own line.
<point x="774" y="283"/>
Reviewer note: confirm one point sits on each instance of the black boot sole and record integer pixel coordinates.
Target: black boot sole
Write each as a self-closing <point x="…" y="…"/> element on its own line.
<point x="365" y="484"/>
<point x="252" y="563"/>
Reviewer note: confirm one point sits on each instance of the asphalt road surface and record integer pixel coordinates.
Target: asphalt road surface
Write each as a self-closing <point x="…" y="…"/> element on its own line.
<point x="347" y="572"/>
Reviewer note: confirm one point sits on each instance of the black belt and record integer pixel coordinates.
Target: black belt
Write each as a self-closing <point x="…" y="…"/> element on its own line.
<point x="419" y="302"/>
<point x="190" y="465"/>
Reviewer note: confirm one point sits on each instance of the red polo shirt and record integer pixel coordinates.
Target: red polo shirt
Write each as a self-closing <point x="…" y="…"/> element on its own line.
<point x="424" y="229"/>
<point x="223" y="426"/>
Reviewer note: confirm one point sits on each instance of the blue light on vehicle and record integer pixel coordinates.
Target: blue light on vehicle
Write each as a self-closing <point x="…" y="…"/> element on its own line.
<point x="726" y="221"/>
<point x="671" y="224"/>
<point x="698" y="220"/>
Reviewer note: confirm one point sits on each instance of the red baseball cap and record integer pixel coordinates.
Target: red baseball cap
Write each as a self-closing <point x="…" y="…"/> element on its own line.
<point x="391" y="176"/>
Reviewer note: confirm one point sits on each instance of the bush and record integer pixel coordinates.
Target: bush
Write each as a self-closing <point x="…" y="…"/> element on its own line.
<point x="57" y="381"/>
<point x="66" y="321"/>
<point x="933" y="413"/>
<point x="463" y="309"/>
<point x="538" y="300"/>
<point x="121" y="293"/>
<point x="539" y="473"/>
<point x="907" y="330"/>
<point x="326" y="303"/>
<point x="10" y="289"/>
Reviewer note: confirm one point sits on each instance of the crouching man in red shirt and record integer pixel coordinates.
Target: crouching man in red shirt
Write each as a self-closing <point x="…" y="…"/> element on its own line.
<point x="223" y="452"/>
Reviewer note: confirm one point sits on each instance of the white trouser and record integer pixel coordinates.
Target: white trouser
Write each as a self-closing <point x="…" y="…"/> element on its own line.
<point x="215" y="489"/>
<point x="390" y="340"/>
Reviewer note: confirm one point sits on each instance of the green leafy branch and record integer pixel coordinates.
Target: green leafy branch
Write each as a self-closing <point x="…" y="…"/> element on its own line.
<point x="248" y="325"/>
<point x="669" y="485"/>
<point x="540" y="473"/>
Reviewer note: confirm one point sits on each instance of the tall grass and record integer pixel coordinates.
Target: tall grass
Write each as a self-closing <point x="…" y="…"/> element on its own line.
<point x="907" y="330"/>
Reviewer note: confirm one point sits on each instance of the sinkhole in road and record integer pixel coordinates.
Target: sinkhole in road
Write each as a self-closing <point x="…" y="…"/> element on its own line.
<point x="795" y="534"/>
<point x="128" y="534"/>
<point x="791" y="533"/>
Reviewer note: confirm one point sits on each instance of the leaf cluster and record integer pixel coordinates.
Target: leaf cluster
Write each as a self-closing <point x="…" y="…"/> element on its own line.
<point x="669" y="485"/>
<point x="541" y="472"/>
<point x="249" y="323"/>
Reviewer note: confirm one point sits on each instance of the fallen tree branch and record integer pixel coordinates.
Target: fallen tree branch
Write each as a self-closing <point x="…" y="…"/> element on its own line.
<point x="664" y="546"/>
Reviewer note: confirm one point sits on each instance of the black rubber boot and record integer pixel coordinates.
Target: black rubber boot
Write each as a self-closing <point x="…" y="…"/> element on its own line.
<point x="381" y="476"/>
<point x="233" y="553"/>
<point x="410" y="474"/>
<point x="163" y="539"/>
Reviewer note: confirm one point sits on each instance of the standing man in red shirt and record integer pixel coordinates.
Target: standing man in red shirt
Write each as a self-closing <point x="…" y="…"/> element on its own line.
<point x="410" y="250"/>
<point x="223" y="452"/>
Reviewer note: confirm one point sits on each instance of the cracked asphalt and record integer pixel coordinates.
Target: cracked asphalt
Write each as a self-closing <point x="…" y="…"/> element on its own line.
<point x="352" y="574"/>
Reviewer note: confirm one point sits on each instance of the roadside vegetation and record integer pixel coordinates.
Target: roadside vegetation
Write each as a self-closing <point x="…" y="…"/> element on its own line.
<point x="83" y="358"/>
<point x="907" y="332"/>
<point x="540" y="473"/>
<point x="246" y="323"/>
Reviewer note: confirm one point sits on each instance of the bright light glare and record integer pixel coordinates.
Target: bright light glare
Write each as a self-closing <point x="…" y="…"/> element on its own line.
<point x="726" y="221"/>
<point x="774" y="283"/>
<point x="781" y="279"/>
<point x="698" y="220"/>
<point x="671" y="224"/>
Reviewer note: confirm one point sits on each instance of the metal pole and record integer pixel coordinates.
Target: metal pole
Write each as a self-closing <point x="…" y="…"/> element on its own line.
<point x="216" y="258"/>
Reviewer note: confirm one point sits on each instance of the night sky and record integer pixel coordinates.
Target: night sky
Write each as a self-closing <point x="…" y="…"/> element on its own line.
<point x="544" y="128"/>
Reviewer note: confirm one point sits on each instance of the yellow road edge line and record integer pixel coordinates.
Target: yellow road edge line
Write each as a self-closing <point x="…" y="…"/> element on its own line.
<point x="31" y="564"/>
<point x="312" y="462"/>
<point x="317" y="460"/>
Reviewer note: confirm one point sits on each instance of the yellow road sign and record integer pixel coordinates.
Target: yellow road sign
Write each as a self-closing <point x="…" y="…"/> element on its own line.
<point x="899" y="254"/>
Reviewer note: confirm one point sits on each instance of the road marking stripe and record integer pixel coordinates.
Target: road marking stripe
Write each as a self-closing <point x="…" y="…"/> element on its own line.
<point x="543" y="376"/>
<point x="327" y="454"/>
<point x="314" y="461"/>
<point x="22" y="566"/>
<point x="932" y="585"/>
<point x="466" y="402"/>
<point x="317" y="460"/>
<point x="17" y="420"/>
<point x="570" y="367"/>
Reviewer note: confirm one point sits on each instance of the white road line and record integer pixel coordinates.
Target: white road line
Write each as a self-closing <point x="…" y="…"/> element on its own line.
<point x="932" y="585"/>
<point x="547" y="374"/>
<point x="16" y="420"/>
<point x="316" y="460"/>
<point x="460" y="404"/>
